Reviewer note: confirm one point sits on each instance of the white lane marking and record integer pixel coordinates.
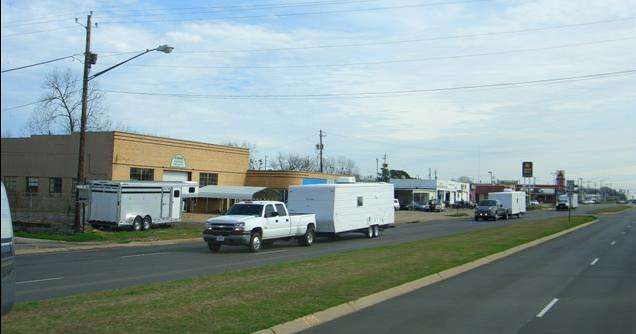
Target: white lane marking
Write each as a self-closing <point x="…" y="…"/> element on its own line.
<point x="613" y="243"/>
<point x="145" y="254"/>
<point x="547" y="308"/>
<point x="271" y="252"/>
<point x="594" y="262"/>
<point x="40" y="280"/>
<point x="623" y="232"/>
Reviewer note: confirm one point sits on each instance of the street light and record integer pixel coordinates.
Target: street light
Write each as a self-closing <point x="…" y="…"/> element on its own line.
<point x="90" y="59"/>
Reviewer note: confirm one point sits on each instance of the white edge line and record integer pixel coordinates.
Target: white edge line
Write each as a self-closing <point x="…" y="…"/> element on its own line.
<point x="145" y="254"/>
<point x="613" y="243"/>
<point x="547" y="308"/>
<point x="40" y="280"/>
<point x="594" y="262"/>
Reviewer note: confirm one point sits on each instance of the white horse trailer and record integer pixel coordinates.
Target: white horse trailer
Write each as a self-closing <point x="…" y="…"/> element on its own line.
<point x="136" y="205"/>
<point x="513" y="201"/>
<point x="345" y="207"/>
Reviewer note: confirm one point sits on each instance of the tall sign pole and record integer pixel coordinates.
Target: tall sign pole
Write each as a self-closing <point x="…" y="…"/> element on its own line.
<point x="88" y="59"/>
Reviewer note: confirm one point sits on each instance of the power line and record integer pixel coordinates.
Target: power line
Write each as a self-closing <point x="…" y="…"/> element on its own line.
<point x="430" y="4"/>
<point x="40" y="63"/>
<point x="412" y="40"/>
<point x="389" y="61"/>
<point x="38" y="31"/>
<point x="380" y="93"/>
<point x="22" y="105"/>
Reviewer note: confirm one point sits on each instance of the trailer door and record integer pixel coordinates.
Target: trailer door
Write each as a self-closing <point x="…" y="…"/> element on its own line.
<point x="166" y="196"/>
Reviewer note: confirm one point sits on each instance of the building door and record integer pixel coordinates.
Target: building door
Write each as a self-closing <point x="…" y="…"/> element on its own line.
<point x="173" y="175"/>
<point x="166" y="196"/>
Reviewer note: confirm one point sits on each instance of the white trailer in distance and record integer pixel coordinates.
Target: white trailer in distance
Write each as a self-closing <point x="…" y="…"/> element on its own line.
<point x="345" y="207"/>
<point x="136" y="205"/>
<point x="513" y="201"/>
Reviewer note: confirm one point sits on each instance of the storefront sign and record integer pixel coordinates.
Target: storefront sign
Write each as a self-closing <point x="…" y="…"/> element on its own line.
<point x="178" y="161"/>
<point x="526" y="169"/>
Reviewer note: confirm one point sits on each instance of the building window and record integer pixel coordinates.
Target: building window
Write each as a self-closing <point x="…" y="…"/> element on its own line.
<point x="55" y="185"/>
<point x="360" y="201"/>
<point x="206" y="179"/>
<point x="10" y="183"/>
<point x="142" y="174"/>
<point x="32" y="184"/>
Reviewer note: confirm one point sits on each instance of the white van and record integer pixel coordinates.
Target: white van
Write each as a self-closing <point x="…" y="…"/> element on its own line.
<point x="8" y="254"/>
<point x="345" y="207"/>
<point x="136" y="205"/>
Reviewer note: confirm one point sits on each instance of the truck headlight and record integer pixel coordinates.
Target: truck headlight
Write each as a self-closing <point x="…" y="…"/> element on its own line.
<point x="239" y="227"/>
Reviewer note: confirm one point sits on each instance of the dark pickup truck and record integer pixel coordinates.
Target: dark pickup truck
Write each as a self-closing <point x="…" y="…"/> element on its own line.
<point x="489" y="209"/>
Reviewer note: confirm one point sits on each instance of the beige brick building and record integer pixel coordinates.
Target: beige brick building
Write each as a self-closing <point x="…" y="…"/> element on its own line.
<point x="39" y="171"/>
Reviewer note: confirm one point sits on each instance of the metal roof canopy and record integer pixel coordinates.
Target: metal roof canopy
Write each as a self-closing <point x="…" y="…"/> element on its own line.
<point x="230" y="192"/>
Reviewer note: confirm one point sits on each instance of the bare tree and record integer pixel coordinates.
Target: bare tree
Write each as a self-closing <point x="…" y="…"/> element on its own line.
<point x="294" y="162"/>
<point x="61" y="107"/>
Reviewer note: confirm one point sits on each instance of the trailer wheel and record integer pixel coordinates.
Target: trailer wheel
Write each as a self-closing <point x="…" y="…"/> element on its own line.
<point x="376" y="231"/>
<point x="214" y="247"/>
<point x="137" y="224"/>
<point x="255" y="242"/>
<point x="308" y="238"/>
<point x="370" y="232"/>
<point x="147" y="223"/>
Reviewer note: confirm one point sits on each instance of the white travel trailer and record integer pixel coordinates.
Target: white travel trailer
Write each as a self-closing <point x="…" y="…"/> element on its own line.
<point x="344" y="207"/>
<point x="513" y="201"/>
<point x="136" y="205"/>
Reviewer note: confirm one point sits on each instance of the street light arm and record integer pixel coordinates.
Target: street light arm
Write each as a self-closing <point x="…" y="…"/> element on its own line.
<point x="119" y="64"/>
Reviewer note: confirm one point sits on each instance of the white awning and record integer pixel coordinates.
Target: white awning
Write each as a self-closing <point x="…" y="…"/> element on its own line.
<point x="230" y="192"/>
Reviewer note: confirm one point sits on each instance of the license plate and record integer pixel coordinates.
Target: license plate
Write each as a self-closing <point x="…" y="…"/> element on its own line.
<point x="220" y="238"/>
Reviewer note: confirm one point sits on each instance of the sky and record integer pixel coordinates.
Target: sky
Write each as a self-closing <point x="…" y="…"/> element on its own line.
<point x="419" y="81"/>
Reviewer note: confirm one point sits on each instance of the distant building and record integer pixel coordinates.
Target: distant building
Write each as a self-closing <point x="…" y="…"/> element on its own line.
<point x="423" y="190"/>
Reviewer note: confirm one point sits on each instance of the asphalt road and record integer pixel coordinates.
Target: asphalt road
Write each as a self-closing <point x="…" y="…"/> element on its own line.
<point x="43" y="276"/>
<point x="584" y="282"/>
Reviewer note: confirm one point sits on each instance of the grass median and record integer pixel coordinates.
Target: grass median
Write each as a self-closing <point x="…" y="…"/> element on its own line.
<point x="611" y="209"/>
<point x="176" y="231"/>
<point x="252" y="299"/>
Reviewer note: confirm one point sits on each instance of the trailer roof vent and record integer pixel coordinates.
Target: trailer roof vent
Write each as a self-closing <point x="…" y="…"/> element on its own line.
<point x="346" y="179"/>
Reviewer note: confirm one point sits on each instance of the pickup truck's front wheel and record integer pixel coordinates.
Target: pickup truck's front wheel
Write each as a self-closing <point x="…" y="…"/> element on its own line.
<point x="255" y="242"/>
<point x="308" y="238"/>
<point x="214" y="247"/>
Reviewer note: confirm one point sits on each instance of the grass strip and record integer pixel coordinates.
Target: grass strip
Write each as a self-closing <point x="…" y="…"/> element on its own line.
<point x="176" y="231"/>
<point x="252" y="299"/>
<point x="611" y="209"/>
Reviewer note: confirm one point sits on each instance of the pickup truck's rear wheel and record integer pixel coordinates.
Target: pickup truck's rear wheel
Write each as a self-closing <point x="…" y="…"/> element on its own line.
<point x="214" y="247"/>
<point x="255" y="242"/>
<point x="308" y="238"/>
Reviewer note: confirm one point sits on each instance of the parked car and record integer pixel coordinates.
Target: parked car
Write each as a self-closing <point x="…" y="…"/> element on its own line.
<point x="621" y="201"/>
<point x="415" y="206"/>
<point x="250" y="223"/>
<point x="489" y="209"/>
<point x="534" y="203"/>
<point x="435" y="206"/>
<point x="588" y="201"/>
<point x="396" y="204"/>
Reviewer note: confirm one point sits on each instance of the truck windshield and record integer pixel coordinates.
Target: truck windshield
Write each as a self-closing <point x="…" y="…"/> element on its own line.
<point x="488" y="203"/>
<point x="245" y="210"/>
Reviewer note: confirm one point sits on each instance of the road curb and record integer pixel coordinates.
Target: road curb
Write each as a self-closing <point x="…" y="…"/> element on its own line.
<point x="612" y="213"/>
<point x="74" y="247"/>
<point x="320" y="317"/>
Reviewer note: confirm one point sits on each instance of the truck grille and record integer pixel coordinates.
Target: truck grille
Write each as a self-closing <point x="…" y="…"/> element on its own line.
<point x="220" y="229"/>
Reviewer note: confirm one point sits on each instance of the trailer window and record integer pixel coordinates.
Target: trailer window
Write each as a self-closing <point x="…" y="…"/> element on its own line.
<point x="176" y="193"/>
<point x="360" y="201"/>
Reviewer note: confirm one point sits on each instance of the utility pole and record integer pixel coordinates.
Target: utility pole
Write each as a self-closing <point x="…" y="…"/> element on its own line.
<point x="377" y="169"/>
<point x="88" y="60"/>
<point x="429" y="174"/>
<point x="320" y="147"/>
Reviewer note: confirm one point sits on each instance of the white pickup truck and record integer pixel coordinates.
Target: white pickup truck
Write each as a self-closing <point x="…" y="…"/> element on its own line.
<point x="251" y="223"/>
